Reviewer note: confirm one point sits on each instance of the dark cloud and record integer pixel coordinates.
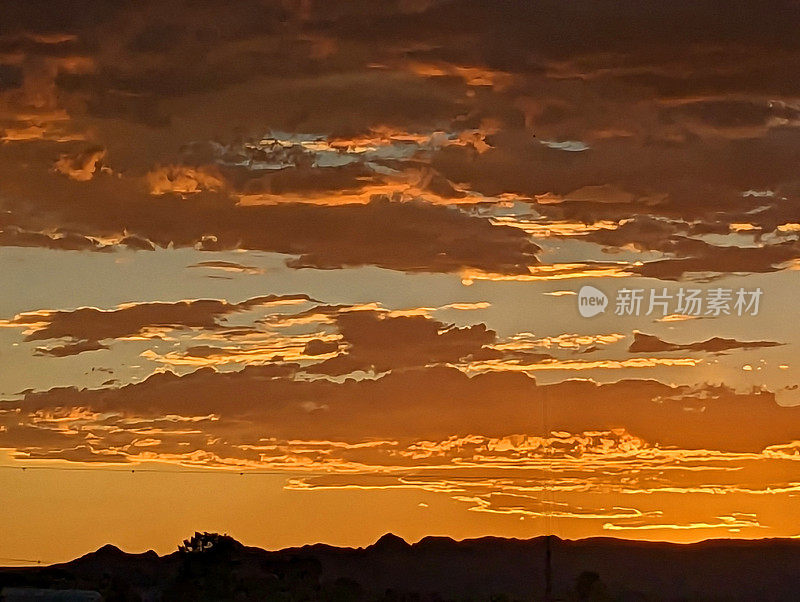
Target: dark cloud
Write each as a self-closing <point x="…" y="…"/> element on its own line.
<point x="688" y="254"/>
<point x="648" y="343"/>
<point x="723" y="260"/>
<point x="732" y="115"/>
<point x="243" y="408"/>
<point x="88" y="325"/>
<point x="320" y="347"/>
<point x="678" y="110"/>
<point x="70" y="349"/>
<point x="227" y="266"/>
<point x="409" y="236"/>
<point x="381" y="342"/>
<point x="11" y="236"/>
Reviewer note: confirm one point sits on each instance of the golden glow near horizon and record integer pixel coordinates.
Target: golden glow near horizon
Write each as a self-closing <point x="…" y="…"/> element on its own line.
<point x="299" y="284"/>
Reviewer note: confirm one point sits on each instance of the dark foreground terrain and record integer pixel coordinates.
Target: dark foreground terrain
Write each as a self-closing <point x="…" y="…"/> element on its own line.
<point x="213" y="567"/>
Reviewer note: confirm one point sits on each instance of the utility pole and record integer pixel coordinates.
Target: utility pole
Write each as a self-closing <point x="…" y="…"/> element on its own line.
<point x="548" y="569"/>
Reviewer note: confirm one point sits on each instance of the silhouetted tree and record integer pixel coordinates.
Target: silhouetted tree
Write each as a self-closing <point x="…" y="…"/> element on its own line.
<point x="588" y="586"/>
<point x="205" y="542"/>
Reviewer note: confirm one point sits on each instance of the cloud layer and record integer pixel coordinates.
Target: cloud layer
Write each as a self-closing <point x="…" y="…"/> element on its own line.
<point x="158" y="124"/>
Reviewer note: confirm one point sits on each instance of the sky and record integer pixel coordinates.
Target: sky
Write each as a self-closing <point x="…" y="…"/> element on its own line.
<point x="306" y="271"/>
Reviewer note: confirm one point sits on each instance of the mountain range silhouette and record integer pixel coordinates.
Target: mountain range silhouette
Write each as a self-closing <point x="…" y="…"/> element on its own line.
<point x="217" y="567"/>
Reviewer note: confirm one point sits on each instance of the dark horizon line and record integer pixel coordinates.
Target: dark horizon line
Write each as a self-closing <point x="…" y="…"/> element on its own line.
<point x="396" y="540"/>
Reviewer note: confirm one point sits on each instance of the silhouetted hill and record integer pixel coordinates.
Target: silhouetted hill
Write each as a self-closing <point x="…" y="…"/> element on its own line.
<point x="213" y="567"/>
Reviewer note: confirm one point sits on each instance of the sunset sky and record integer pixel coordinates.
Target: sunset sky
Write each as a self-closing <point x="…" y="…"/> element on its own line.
<point x="310" y="269"/>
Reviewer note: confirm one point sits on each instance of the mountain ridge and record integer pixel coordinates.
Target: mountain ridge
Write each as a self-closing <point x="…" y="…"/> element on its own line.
<point x="217" y="567"/>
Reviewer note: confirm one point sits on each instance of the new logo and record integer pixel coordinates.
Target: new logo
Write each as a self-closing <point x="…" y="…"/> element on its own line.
<point x="591" y="301"/>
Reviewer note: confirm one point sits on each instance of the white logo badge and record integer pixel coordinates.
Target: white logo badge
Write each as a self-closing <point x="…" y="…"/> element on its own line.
<point x="591" y="301"/>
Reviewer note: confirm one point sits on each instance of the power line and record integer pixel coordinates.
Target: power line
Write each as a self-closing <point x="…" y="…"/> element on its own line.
<point x="431" y="472"/>
<point x="141" y="470"/>
<point x="22" y="560"/>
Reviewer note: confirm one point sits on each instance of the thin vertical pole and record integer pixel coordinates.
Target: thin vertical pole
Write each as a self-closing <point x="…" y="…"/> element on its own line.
<point x="548" y="569"/>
